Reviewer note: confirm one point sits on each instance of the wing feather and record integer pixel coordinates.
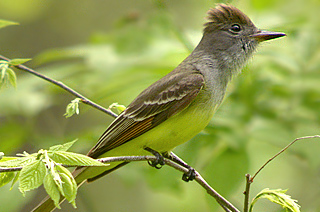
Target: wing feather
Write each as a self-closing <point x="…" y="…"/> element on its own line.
<point x="163" y="99"/>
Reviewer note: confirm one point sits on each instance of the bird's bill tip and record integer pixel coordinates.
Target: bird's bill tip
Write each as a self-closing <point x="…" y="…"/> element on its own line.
<point x="266" y="35"/>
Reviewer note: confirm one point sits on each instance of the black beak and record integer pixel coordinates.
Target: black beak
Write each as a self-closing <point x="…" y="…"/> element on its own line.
<point x="265" y="35"/>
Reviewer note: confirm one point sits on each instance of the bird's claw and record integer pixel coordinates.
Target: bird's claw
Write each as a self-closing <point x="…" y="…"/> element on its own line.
<point x="190" y="175"/>
<point x="158" y="162"/>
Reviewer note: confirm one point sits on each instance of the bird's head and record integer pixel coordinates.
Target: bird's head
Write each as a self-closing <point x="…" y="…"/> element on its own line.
<point x="231" y="36"/>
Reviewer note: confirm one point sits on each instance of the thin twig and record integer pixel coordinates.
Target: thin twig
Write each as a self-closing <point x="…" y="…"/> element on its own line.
<point x="63" y="86"/>
<point x="221" y="200"/>
<point x="10" y="169"/>
<point x="247" y="193"/>
<point x="284" y="149"/>
<point x="223" y="203"/>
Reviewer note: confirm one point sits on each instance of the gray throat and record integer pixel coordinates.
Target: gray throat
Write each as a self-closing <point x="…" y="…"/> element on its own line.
<point x="219" y="66"/>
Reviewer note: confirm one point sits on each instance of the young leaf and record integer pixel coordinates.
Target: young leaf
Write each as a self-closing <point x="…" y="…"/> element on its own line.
<point x="4" y="158"/>
<point x="12" y="78"/>
<point x="69" y="184"/>
<point x="119" y="108"/>
<point x="3" y="72"/>
<point x="52" y="189"/>
<point x="7" y="75"/>
<point x="18" y="61"/>
<point x="15" y="179"/>
<point x="72" y="108"/>
<point x="4" y="23"/>
<point x="279" y="197"/>
<point x="68" y="187"/>
<point x="6" y="177"/>
<point x="62" y="147"/>
<point x="57" y="180"/>
<point x="74" y="159"/>
<point x="32" y="176"/>
<point x="16" y="162"/>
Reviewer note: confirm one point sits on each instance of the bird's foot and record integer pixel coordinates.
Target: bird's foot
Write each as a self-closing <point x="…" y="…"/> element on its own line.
<point x="159" y="162"/>
<point x="190" y="175"/>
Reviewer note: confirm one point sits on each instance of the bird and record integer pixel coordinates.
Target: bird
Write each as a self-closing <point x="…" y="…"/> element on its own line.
<point x="179" y="105"/>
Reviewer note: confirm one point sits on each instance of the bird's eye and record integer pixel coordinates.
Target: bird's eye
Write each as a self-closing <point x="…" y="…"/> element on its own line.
<point x="235" y="28"/>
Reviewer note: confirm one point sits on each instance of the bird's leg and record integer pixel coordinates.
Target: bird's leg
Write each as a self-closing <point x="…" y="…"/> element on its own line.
<point x="190" y="175"/>
<point x="159" y="162"/>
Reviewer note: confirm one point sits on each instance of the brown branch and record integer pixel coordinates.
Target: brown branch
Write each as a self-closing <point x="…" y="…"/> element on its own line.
<point x="246" y="193"/>
<point x="225" y="204"/>
<point x="10" y="169"/>
<point x="63" y="86"/>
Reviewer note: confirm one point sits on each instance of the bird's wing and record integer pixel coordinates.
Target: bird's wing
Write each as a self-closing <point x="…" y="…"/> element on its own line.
<point x="153" y="106"/>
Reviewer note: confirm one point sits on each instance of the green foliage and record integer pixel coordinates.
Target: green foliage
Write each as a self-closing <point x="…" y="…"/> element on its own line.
<point x="279" y="197"/>
<point x="72" y="108"/>
<point x="52" y="189"/>
<point x="31" y="176"/>
<point x="18" y="61"/>
<point x="45" y="167"/>
<point x="4" y="23"/>
<point x="66" y="184"/>
<point x="7" y="75"/>
<point x="118" y="107"/>
<point x="6" y="177"/>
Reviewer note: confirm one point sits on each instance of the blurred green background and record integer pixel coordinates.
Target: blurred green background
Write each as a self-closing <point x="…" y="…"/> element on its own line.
<point x="111" y="50"/>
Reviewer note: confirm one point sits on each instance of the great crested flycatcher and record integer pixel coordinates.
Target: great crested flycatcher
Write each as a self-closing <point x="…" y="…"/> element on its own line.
<point x="178" y="106"/>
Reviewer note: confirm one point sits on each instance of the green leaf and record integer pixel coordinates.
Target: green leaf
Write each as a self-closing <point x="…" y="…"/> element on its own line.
<point x="118" y="107"/>
<point x="32" y="176"/>
<point x="72" y="108"/>
<point x="62" y="147"/>
<point x="1" y="155"/>
<point x="57" y="179"/>
<point x="19" y="161"/>
<point x="279" y="197"/>
<point x="69" y="184"/>
<point x="15" y="179"/>
<point x="3" y="68"/>
<point x="52" y="189"/>
<point x="18" y="61"/>
<point x="6" y="177"/>
<point x="4" y="158"/>
<point x="7" y="75"/>
<point x="74" y="159"/>
<point x="4" y="23"/>
<point x="12" y="78"/>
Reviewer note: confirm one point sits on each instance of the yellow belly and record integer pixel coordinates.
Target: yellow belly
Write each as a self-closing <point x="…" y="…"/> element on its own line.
<point x="163" y="138"/>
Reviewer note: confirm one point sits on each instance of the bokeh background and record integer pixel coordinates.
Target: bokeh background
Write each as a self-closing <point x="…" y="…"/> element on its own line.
<point x="111" y="50"/>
